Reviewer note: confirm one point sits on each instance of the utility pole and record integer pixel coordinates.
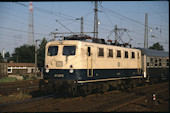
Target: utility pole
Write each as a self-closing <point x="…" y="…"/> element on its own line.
<point x="96" y="20"/>
<point x="146" y="32"/>
<point x="81" y="27"/>
<point x="31" y="25"/>
<point x="36" y="56"/>
<point x="115" y="30"/>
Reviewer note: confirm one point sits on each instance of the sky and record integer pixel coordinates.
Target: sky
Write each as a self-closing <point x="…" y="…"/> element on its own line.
<point x="130" y="15"/>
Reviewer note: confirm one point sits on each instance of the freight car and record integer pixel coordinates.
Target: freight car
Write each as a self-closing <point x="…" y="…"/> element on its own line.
<point x="78" y="67"/>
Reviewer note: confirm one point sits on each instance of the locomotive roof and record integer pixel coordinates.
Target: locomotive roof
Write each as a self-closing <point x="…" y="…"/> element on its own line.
<point x="52" y="42"/>
<point x="153" y="52"/>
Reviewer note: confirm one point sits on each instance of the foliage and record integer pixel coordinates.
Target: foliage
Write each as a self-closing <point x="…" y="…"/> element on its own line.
<point x="7" y="54"/>
<point x="41" y="53"/>
<point x="156" y="46"/>
<point x="24" y="54"/>
<point x="1" y="59"/>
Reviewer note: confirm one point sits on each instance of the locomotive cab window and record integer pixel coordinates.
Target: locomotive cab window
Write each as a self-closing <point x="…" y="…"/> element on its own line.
<point x="69" y="50"/>
<point x="101" y="52"/>
<point x="52" y="51"/>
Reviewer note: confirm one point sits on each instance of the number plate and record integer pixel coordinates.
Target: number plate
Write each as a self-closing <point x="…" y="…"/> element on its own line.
<point x="58" y="75"/>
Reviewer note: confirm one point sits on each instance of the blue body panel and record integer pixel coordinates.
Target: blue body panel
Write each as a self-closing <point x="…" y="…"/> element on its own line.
<point x="81" y="74"/>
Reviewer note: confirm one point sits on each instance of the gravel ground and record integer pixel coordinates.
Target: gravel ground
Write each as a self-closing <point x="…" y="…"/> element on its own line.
<point x="78" y="103"/>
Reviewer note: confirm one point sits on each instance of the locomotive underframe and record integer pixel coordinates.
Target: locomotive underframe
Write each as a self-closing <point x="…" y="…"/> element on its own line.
<point x="70" y="88"/>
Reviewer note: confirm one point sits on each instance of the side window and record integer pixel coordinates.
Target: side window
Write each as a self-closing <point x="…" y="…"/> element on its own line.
<point x="101" y="52"/>
<point x="118" y="54"/>
<point x="151" y="61"/>
<point x="148" y="61"/>
<point x="89" y="51"/>
<point x="133" y="54"/>
<point x="110" y="53"/>
<point x="126" y="54"/>
<point x="9" y="70"/>
<point x="167" y="62"/>
<point x="156" y="61"/>
<point x="160" y="62"/>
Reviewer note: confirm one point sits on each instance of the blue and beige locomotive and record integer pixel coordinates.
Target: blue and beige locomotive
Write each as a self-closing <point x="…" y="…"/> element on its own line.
<point x="76" y="67"/>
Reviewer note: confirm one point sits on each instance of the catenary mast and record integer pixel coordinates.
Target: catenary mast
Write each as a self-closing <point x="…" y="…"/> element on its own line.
<point x="30" y="25"/>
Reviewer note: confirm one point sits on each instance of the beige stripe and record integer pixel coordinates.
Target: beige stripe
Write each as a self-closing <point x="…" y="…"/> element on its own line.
<point x="107" y="79"/>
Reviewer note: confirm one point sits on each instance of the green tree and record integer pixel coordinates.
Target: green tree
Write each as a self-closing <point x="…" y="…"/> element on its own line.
<point x="156" y="46"/>
<point x="1" y="59"/>
<point x="24" y="54"/>
<point x="41" y="53"/>
<point x="7" y="54"/>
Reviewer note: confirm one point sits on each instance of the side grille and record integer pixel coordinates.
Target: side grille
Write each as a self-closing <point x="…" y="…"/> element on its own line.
<point x="59" y="63"/>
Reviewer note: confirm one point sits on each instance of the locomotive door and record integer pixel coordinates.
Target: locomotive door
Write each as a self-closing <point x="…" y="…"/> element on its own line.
<point x="89" y="63"/>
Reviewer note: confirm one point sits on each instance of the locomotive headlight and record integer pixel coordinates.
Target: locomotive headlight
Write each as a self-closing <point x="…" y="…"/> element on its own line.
<point x="47" y="70"/>
<point x="71" y="70"/>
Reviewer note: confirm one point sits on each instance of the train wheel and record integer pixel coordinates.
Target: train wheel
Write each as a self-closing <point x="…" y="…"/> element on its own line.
<point x="41" y="85"/>
<point x="121" y="87"/>
<point x="104" y="87"/>
<point x="49" y="88"/>
<point x="74" y="90"/>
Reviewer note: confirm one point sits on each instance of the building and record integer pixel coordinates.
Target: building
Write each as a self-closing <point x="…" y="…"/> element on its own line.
<point x="17" y="68"/>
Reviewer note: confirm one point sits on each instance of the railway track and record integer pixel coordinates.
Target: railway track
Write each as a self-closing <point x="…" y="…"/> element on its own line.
<point x="107" y="102"/>
<point x="142" y="100"/>
<point x="14" y="87"/>
<point x="11" y="106"/>
<point x="124" y="99"/>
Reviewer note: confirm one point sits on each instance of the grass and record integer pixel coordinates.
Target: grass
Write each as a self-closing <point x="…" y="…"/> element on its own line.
<point x="13" y="79"/>
<point x="8" y="79"/>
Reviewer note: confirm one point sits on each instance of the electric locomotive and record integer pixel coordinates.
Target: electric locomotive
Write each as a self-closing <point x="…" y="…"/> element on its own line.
<point x="79" y="67"/>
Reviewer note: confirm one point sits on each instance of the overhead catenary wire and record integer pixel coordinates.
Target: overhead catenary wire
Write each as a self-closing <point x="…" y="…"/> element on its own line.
<point x="129" y="18"/>
<point x="47" y="11"/>
<point x="22" y="31"/>
<point x="155" y="12"/>
<point x="54" y="13"/>
<point x="105" y="29"/>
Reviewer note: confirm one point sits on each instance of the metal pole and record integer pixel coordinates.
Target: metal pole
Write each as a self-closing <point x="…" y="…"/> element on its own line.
<point x="35" y="57"/>
<point x="96" y="5"/>
<point x="81" y="27"/>
<point x="146" y="32"/>
<point x="116" y="34"/>
<point x="95" y="21"/>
